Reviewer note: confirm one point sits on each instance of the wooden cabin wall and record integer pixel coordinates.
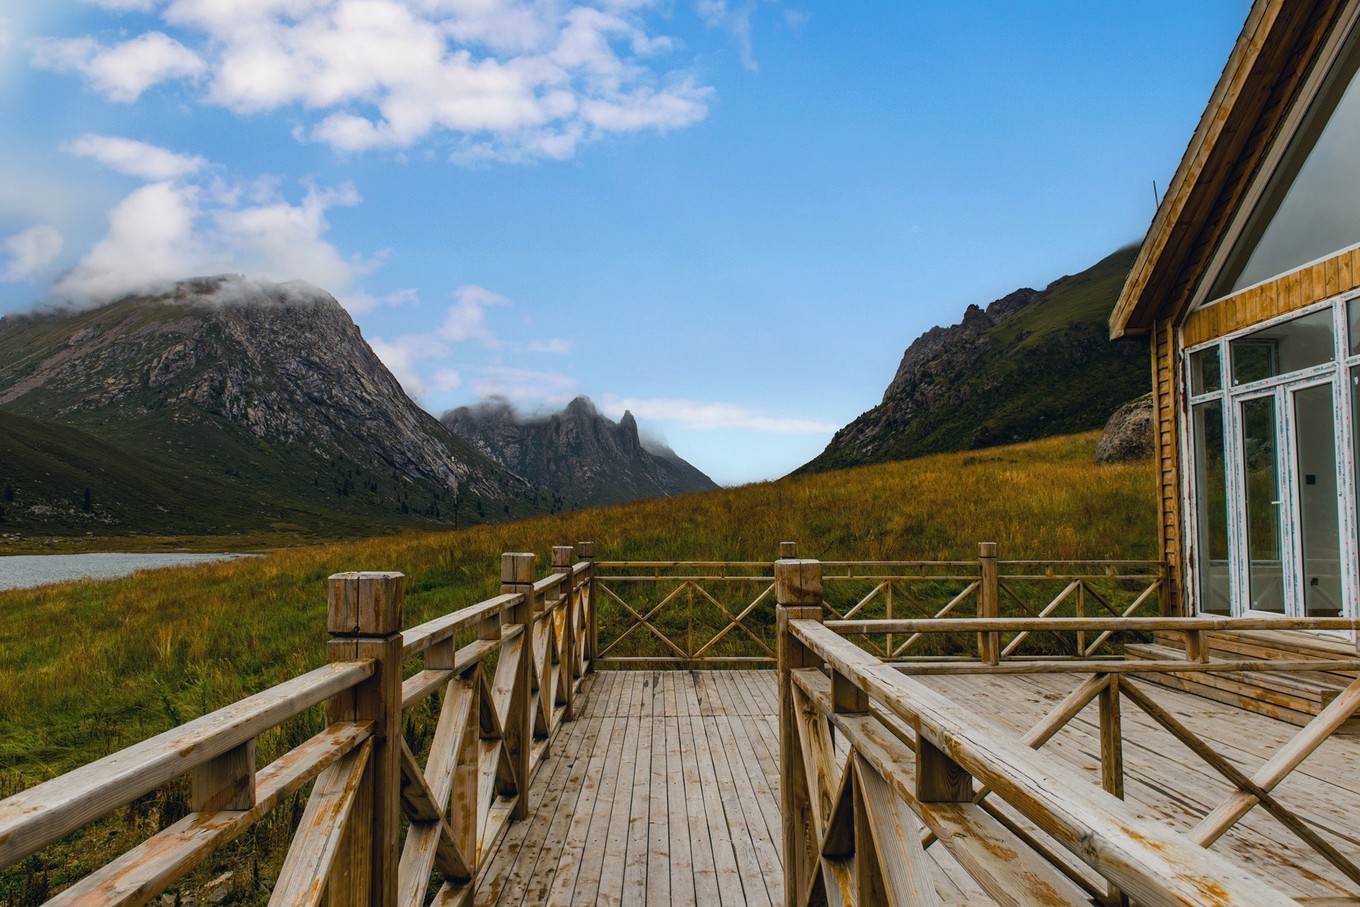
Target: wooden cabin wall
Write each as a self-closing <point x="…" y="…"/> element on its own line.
<point x="1286" y="293"/>
<point x="1165" y="401"/>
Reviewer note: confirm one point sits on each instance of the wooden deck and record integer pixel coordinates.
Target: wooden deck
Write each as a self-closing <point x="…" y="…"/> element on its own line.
<point x="665" y="790"/>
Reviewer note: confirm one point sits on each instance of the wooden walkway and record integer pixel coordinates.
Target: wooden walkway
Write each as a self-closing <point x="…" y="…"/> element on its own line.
<point x="665" y="791"/>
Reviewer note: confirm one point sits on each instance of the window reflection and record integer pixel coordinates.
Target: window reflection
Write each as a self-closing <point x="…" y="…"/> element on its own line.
<point x="1296" y="344"/>
<point x="1211" y="505"/>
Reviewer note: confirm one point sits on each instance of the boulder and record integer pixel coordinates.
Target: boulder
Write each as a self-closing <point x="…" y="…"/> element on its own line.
<point x="1128" y="434"/>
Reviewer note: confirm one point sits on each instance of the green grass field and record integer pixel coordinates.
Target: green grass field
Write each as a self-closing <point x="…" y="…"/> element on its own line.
<point x="87" y="668"/>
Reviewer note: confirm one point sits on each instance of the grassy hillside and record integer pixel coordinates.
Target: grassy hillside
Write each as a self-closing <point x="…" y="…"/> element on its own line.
<point x="87" y="668"/>
<point x="60" y="481"/>
<point x="1036" y="364"/>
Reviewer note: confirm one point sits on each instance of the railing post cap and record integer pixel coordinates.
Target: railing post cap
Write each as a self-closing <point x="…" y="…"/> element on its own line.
<point x="788" y="549"/>
<point x="798" y="582"/>
<point x="365" y="603"/>
<point x="562" y="555"/>
<point x="517" y="568"/>
<point x="986" y="549"/>
<point x="585" y="550"/>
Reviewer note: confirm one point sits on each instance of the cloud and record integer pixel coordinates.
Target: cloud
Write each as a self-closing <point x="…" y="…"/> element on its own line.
<point x="29" y="252"/>
<point x="134" y="158"/>
<point x="521" y="385"/>
<point x="502" y="79"/>
<point x="169" y="230"/>
<point x="735" y="18"/>
<point x="360" y="301"/>
<point x="706" y="415"/>
<point x="403" y="357"/>
<point x="555" y="345"/>
<point x="137" y="6"/>
<point x="124" y="71"/>
<point x="447" y="379"/>
<point x="466" y="318"/>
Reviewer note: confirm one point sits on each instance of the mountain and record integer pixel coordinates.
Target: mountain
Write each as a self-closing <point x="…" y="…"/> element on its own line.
<point x="263" y="399"/>
<point x="1034" y="363"/>
<point x="579" y="456"/>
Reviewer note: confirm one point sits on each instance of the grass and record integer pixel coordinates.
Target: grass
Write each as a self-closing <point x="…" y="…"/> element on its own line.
<point x="87" y="668"/>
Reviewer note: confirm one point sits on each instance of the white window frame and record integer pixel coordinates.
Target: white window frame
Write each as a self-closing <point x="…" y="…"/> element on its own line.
<point x="1282" y="387"/>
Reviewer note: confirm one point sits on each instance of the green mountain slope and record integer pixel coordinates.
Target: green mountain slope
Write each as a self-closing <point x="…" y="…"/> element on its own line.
<point x="1033" y="364"/>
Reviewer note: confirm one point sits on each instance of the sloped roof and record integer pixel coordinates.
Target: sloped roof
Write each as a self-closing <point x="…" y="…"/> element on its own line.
<point x="1273" y="54"/>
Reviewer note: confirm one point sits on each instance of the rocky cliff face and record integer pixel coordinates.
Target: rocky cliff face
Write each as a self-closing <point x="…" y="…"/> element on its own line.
<point x="1031" y="364"/>
<point x="579" y="456"/>
<point x="267" y="383"/>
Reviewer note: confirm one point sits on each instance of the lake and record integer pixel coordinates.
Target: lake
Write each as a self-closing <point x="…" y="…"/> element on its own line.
<point x="23" y="571"/>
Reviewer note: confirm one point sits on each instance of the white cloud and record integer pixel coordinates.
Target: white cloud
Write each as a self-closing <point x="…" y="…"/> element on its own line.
<point x="521" y="385"/>
<point x="466" y="318"/>
<point x="735" y="18"/>
<point x="403" y="357"/>
<point x="6" y="34"/>
<point x="557" y="345"/>
<point x="169" y="230"/>
<point x="360" y="301"/>
<point x="124" y="71"/>
<point x="137" y="6"/>
<point x="30" y="251"/>
<point x="505" y="79"/>
<point x="702" y="414"/>
<point x="134" y="158"/>
<point x="447" y="379"/>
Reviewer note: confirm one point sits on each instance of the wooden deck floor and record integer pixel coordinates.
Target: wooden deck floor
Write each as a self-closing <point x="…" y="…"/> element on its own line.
<point x="665" y="791"/>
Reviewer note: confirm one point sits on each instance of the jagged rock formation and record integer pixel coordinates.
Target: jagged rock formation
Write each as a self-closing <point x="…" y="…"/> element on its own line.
<point x="578" y="455"/>
<point x="1031" y="364"/>
<point x="1128" y="435"/>
<point x="266" y="390"/>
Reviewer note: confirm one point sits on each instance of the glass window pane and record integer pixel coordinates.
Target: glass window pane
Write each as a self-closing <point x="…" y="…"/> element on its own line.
<point x="1355" y="433"/>
<point x="1211" y="510"/>
<point x="1205" y="375"/>
<point x="1315" y="454"/>
<point x="1260" y="451"/>
<point x="1296" y="344"/>
<point x="1353" y="325"/>
<point x="1311" y="208"/>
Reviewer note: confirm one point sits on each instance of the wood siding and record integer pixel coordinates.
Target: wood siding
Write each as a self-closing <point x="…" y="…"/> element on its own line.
<point x="1287" y="293"/>
<point x="1166" y="400"/>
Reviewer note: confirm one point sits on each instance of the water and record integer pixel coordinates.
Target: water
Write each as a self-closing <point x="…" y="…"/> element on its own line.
<point x="25" y="571"/>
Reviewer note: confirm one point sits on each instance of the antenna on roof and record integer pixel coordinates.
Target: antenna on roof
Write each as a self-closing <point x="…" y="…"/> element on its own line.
<point x="1156" y="202"/>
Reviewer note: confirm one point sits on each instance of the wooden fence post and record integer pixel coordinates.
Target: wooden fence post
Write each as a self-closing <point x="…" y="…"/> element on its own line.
<point x="989" y="601"/>
<point x="1112" y="762"/>
<point x="563" y="557"/>
<point x="798" y="596"/>
<point x="517" y="576"/>
<point x="363" y="617"/>
<point x="586" y="552"/>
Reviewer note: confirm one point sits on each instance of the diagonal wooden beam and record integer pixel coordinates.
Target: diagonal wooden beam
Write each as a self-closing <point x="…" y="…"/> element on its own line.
<point x="734" y="621"/>
<point x="1048" y="609"/>
<point x="317" y="841"/>
<point x="429" y="840"/>
<point x="1286" y="759"/>
<point x="1239" y="779"/>
<point x="646" y="621"/>
<point x="865" y="600"/>
<point x="1134" y="606"/>
<point x="745" y="612"/>
<point x="900" y="869"/>
<point x="953" y="603"/>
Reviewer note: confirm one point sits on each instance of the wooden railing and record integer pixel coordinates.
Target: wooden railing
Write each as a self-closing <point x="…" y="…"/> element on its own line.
<point x="507" y="672"/>
<point x="918" y="769"/>
<point x="722" y="613"/>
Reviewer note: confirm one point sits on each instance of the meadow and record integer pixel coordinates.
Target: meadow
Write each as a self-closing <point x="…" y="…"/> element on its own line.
<point x="87" y="668"/>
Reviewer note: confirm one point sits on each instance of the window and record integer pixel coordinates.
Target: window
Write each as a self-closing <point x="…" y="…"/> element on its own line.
<point x="1215" y="589"/>
<point x="1353" y="325"/>
<point x="1205" y="374"/>
<point x="1261" y="453"/>
<point x="1296" y="344"/>
<point x="1311" y="207"/>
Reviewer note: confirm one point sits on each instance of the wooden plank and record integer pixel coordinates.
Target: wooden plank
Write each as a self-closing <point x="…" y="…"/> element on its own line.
<point x="35" y="817"/>
<point x="146" y="870"/>
<point x="307" y="865"/>
<point x="658" y="822"/>
<point x="614" y="852"/>
<point x="896" y="840"/>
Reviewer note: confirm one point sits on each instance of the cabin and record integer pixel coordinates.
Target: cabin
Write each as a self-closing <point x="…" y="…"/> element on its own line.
<point x="1248" y="289"/>
<point x="855" y="733"/>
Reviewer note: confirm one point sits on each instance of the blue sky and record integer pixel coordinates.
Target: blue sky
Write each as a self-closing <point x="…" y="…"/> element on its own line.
<point x="731" y="216"/>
